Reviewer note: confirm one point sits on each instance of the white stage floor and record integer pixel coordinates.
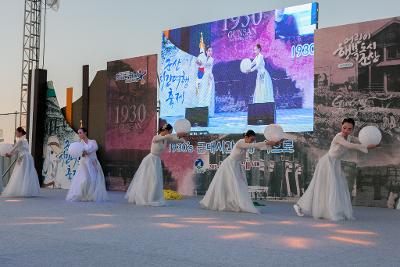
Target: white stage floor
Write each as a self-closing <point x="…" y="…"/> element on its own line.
<point x="47" y="231"/>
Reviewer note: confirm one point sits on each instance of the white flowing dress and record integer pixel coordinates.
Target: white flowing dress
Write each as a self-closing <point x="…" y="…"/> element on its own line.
<point x="263" y="92"/>
<point x="328" y="196"/>
<point x="88" y="184"/>
<point x="24" y="181"/>
<point x="146" y="188"/>
<point x="228" y="190"/>
<point x="207" y="87"/>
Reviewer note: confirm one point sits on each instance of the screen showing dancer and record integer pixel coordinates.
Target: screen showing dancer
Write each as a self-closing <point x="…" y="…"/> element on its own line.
<point x="247" y="71"/>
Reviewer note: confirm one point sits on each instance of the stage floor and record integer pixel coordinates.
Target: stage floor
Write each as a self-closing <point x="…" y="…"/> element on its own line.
<point x="47" y="231"/>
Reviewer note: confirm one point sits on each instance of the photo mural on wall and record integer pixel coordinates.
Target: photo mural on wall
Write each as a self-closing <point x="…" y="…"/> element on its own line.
<point x="357" y="74"/>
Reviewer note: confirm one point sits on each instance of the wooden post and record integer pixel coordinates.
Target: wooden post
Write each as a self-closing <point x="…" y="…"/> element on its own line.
<point x="68" y="108"/>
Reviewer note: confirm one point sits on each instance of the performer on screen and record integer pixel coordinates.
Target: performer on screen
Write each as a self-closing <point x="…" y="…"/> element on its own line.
<point x="328" y="195"/>
<point x="24" y="180"/>
<point x="264" y="91"/>
<point x="200" y="70"/>
<point x="228" y="190"/>
<point x="146" y="187"/>
<point x="88" y="184"/>
<point x="206" y="96"/>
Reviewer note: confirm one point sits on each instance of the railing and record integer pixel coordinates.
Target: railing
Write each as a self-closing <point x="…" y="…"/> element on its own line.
<point x="8" y="124"/>
<point x="7" y="165"/>
<point x="375" y="87"/>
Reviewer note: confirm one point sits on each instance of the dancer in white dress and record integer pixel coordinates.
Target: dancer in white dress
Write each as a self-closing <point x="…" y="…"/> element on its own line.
<point x="327" y="196"/>
<point x="24" y="181"/>
<point x="88" y="183"/>
<point x="146" y="187"/>
<point x="264" y="91"/>
<point x="207" y="86"/>
<point x="228" y="190"/>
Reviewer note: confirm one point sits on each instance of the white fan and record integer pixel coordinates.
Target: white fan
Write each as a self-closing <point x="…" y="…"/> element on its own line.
<point x="245" y="65"/>
<point x="182" y="126"/>
<point x="75" y="149"/>
<point x="274" y="132"/>
<point x="370" y="135"/>
<point x="5" y="148"/>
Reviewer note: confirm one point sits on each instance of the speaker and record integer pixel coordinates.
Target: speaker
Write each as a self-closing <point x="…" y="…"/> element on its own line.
<point x="37" y="97"/>
<point x="85" y="96"/>
<point x="198" y="116"/>
<point x="261" y="113"/>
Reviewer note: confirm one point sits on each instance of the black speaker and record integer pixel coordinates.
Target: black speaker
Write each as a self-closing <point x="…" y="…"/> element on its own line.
<point x="37" y="97"/>
<point x="85" y="96"/>
<point x="261" y="113"/>
<point x="198" y="116"/>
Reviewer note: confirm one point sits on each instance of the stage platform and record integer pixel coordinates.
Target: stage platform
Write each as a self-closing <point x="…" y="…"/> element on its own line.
<point x="47" y="231"/>
<point x="292" y="121"/>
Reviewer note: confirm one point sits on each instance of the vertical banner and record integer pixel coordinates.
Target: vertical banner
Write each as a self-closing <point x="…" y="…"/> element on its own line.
<point x="131" y="116"/>
<point x="59" y="167"/>
<point x="68" y="107"/>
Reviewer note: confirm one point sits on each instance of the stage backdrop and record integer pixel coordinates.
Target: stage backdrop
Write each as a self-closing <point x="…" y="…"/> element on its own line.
<point x="131" y="117"/>
<point x="59" y="167"/>
<point x="357" y="70"/>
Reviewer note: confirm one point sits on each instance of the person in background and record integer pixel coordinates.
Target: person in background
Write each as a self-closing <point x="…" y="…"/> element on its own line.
<point x="24" y="181"/>
<point x="88" y="183"/>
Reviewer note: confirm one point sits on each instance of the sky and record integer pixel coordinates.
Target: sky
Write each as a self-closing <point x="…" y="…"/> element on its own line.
<point x="96" y="31"/>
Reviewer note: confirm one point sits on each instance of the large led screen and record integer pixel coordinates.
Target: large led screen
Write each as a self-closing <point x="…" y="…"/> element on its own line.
<point x="241" y="73"/>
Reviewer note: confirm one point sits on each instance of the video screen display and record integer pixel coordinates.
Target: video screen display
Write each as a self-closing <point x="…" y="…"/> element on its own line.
<point x="241" y="73"/>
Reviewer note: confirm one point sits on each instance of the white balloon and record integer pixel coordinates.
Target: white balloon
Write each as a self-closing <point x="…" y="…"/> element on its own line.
<point x="274" y="132"/>
<point x="5" y="148"/>
<point x="75" y="149"/>
<point x="245" y="65"/>
<point x="370" y="135"/>
<point x="182" y="126"/>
